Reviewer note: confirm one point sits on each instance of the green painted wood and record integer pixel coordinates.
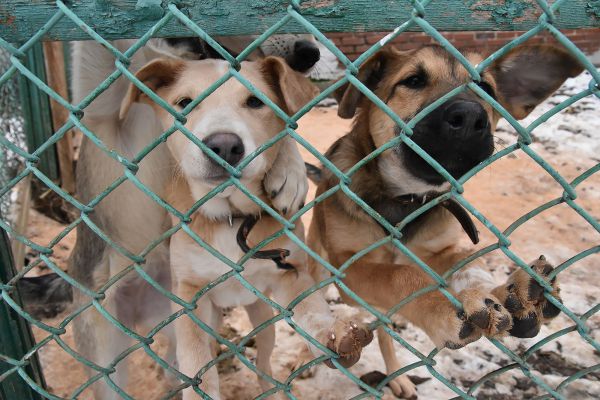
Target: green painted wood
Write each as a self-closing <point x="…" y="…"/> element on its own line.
<point x="20" y="19"/>
<point x="15" y="338"/>
<point x="37" y="113"/>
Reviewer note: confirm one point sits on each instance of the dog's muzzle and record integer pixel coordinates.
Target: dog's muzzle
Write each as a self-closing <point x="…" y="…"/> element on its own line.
<point x="305" y="55"/>
<point x="457" y="135"/>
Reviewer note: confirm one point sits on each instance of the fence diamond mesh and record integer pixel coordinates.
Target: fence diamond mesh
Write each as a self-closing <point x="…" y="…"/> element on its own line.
<point x="16" y="368"/>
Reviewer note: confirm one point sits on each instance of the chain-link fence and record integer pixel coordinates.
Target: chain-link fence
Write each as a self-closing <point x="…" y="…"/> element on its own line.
<point x="22" y="26"/>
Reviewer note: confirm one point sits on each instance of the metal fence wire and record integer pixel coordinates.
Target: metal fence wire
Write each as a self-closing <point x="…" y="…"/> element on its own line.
<point x="17" y="368"/>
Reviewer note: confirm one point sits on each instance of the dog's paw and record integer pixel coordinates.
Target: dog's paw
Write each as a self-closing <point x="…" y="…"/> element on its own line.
<point x="347" y="339"/>
<point x="286" y="183"/>
<point x="402" y="386"/>
<point x="286" y="189"/>
<point x="482" y="315"/>
<point x="524" y="298"/>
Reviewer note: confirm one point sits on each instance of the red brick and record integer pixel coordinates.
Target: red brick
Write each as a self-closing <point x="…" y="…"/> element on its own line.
<point x="463" y="43"/>
<point x="353" y="39"/>
<point x="346" y="49"/>
<point x="507" y="35"/>
<point x="485" y="35"/>
<point x="335" y="35"/>
<point x="420" y="39"/>
<point x="352" y="56"/>
<point x="372" y="39"/>
<point x="460" y="36"/>
<point x="362" y="48"/>
<point x="354" y="43"/>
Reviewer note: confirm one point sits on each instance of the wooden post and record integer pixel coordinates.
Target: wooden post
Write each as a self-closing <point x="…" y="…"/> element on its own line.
<point x="57" y="80"/>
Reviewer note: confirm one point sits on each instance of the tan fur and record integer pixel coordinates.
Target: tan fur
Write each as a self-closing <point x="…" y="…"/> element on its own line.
<point x="127" y="215"/>
<point x="340" y="228"/>
<point x="215" y="223"/>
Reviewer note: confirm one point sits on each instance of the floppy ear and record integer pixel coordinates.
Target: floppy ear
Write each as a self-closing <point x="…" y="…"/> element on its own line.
<point x="527" y="75"/>
<point x="156" y="74"/>
<point x="370" y="74"/>
<point x="292" y="87"/>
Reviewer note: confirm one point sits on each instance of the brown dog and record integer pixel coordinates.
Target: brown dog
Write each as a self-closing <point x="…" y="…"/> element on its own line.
<point x="458" y="135"/>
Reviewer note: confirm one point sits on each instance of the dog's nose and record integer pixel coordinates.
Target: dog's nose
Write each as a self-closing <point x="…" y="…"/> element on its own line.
<point x="306" y="54"/>
<point x="466" y="119"/>
<point x="228" y="146"/>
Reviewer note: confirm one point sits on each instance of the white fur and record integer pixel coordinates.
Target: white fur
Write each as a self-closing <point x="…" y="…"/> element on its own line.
<point x="400" y="181"/>
<point x="127" y="215"/>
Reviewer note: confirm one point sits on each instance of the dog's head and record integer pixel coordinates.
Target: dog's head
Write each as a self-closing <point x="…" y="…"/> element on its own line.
<point x="300" y="51"/>
<point x="231" y="121"/>
<point x="458" y="133"/>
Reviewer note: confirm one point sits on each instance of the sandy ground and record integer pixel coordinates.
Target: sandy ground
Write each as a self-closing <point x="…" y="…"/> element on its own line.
<point x="503" y="192"/>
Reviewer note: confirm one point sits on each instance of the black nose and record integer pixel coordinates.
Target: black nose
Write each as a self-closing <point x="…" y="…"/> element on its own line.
<point x="305" y="56"/>
<point x="227" y="145"/>
<point x="466" y="119"/>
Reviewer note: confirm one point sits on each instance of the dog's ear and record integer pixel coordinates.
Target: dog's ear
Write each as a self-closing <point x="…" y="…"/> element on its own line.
<point x="527" y="75"/>
<point x="370" y="74"/>
<point x="156" y="74"/>
<point x="293" y="88"/>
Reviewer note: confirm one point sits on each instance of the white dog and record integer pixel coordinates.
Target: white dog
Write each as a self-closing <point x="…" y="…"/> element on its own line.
<point x="128" y="216"/>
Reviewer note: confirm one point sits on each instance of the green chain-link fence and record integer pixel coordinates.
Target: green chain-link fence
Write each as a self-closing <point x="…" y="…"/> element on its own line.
<point x="23" y="25"/>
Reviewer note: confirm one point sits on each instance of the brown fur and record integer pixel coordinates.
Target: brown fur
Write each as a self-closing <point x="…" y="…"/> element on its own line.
<point x="341" y="228"/>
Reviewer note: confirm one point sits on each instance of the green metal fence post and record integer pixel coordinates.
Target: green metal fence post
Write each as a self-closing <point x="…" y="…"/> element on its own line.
<point x="15" y="339"/>
<point x="36" y="112"/>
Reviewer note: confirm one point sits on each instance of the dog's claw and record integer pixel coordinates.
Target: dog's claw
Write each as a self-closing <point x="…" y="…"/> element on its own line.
<point x="482" y="315"/>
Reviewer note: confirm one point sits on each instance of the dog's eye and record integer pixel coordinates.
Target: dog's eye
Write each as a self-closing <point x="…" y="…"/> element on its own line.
<point x="183" y="102"/>
<point x="487" y="88"/>
<point x="254" y="102"/>
<point x="416" y="81"/>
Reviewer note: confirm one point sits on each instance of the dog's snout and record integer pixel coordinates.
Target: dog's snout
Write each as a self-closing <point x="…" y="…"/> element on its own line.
<point x="466" y="118"/>
<point x="305" y="56"/>
<point x="228" y="146"/>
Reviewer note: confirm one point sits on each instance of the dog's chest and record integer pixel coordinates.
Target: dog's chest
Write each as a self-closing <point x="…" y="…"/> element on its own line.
<point x="195" y="265"/>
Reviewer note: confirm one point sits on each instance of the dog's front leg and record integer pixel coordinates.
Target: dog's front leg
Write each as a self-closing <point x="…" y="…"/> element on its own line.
<point x="194" y="344"/>
<point x="286" y="183"/>
<point x="258" y="313"/>
<point x="384" y="285"/>
<point x="312" y="314"/>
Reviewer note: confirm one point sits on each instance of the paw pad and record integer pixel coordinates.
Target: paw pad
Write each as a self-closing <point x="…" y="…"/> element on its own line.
<point x="524" y="298"/>
<point x="347" y="341"/>
<point x="482" y="315"/>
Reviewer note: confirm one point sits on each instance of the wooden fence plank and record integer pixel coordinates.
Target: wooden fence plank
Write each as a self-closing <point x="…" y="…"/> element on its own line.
<point x="20" y="19"/>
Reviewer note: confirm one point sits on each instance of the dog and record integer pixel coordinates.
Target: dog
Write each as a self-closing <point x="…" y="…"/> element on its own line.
<point x="233" y="123"/>
<point x="47" y="295"/>
<point x="127" y="216"/>
<point x="300" y="51"/>
<point x="458" y="135"/>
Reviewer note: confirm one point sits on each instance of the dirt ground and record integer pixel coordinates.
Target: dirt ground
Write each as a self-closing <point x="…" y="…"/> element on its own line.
<point x="503" y="192"/>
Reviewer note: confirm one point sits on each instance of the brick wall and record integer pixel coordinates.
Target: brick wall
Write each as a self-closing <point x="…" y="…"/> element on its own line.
<point x="353" y="44"/>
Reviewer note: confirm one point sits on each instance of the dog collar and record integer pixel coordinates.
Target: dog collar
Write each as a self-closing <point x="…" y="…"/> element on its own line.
<point x="394" y="210"/>
<point x="278" y="256"/>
